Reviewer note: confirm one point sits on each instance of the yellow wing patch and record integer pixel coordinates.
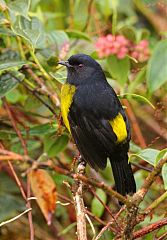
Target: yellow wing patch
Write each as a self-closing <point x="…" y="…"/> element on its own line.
<point x="67" y="93"/>
<point x="119" y="127"/>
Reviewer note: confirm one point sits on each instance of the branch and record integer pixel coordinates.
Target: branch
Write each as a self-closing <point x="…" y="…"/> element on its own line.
<point x="150" y="228"/>
<point x="23" y="143"/>
<point x="43" y="88"/>
<point x="91" y="182"/>
<point x="131" y="218"/>
<point x="79" y="204"/>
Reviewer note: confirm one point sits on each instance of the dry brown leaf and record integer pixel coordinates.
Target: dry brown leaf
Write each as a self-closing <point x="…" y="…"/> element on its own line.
<point x="44" y="189"/>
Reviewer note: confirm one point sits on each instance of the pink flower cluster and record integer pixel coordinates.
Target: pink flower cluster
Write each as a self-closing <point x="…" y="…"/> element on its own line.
<point x="120" y="46"/>
<point x="140" y="51"/>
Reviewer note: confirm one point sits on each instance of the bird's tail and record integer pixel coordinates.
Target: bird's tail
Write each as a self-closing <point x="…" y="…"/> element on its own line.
<point x="123" y="175"/>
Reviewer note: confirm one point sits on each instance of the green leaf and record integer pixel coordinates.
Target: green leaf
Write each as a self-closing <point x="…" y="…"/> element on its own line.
<point x="137" y="97"/>
<point x="78" y="35"/>
<point x="11" y="64"/>
<point x="60" y="178"/>
<point x="9" y="82"/>
<point x="161" y="154"/>
<point x="19" y="7"/>
<point x="31" y="30"/>
<point x="58" y="38"/>
<point x="164" y="175"/>
<point x="128" y="32"/>
<point x="149" y="155"/>
<point x="157" y="70"/>
<point x="60" y="75"/>
<point x="6" y="32"/>
<point x="96" y="207"/>
<point x="54" y="145"/>
<point x="119" y="68"/>
<point x="13" y="96"/>
<point x="41" y="129"/>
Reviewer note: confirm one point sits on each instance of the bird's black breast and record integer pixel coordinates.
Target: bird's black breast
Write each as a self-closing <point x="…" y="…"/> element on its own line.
<point x="97" y="99"/>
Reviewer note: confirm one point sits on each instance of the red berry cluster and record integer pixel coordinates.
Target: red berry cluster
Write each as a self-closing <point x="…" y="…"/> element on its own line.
<point x="120" y="46"/>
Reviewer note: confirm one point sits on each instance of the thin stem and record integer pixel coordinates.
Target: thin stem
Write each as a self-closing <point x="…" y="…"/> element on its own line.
<point x="46" y="75"/>
<point x="157" y="202"/>
<point x="114" y="18"/>
<point x="20" y="47"/>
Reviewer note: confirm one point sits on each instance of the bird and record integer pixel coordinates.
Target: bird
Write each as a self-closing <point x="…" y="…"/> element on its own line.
<point x="94" y="116"/>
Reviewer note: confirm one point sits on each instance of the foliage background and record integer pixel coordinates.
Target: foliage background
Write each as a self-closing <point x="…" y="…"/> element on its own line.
<point x="34" y="35"/>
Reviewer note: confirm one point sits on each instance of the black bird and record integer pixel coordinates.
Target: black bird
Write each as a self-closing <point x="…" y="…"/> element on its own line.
<point x="94" y="116"/>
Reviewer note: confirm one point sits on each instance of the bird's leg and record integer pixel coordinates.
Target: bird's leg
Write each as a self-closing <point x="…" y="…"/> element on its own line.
<point x="81" y="165"/>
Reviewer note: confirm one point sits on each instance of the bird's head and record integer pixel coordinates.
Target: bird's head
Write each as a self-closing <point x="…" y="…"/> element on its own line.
<point x="81" y="68"/>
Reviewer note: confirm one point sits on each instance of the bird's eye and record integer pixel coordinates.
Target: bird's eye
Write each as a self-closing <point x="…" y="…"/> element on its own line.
<point x="80" y="65"/>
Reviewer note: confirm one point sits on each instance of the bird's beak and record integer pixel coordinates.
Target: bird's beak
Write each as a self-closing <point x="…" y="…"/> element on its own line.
<point x="65" y="63"/>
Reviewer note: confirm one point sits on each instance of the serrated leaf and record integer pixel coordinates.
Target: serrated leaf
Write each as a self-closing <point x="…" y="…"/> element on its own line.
<point x="137" y="97"/>
<point x="9" y="82"/>
<point x="44" y="189"/>
<point x="164" y="175"/>
<point x="11" y="64"/>
<point x="97" y="207"/>
<point x="157" y="70"/>
<point x="119" y="68"/>
<point x="31" y="30"/>
<point x="78" y="35"/>
<point x="149" y="155"/>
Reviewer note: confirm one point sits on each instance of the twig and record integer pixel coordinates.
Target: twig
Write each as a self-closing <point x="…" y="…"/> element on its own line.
<point x="7" y="107"/>
<point x="87" y="212"/>
<point x="163" y="236"/>
<point x="156" y="202"/>
<point x="142" y="167"/>
<point x="79" y="204"/>
<point x="15" y="218"/>
<point x="43" y="88"/>
<point x="91" y="224"/>
<point x="9" y="158"/>
<point x="149" y="180"/>
<point x="103" y="230"/>
<point x="150" y="228"/>
<point x="108" y="210"/>
<point x="90" y="181"/>
<point x="35" y="93"/>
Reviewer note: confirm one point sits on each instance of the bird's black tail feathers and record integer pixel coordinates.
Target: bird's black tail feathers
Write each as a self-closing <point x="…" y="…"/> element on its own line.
<point x="123" y="175"/>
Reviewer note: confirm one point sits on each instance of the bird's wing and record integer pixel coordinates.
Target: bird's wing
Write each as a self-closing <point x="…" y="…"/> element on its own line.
<point x="94" y="137"/>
